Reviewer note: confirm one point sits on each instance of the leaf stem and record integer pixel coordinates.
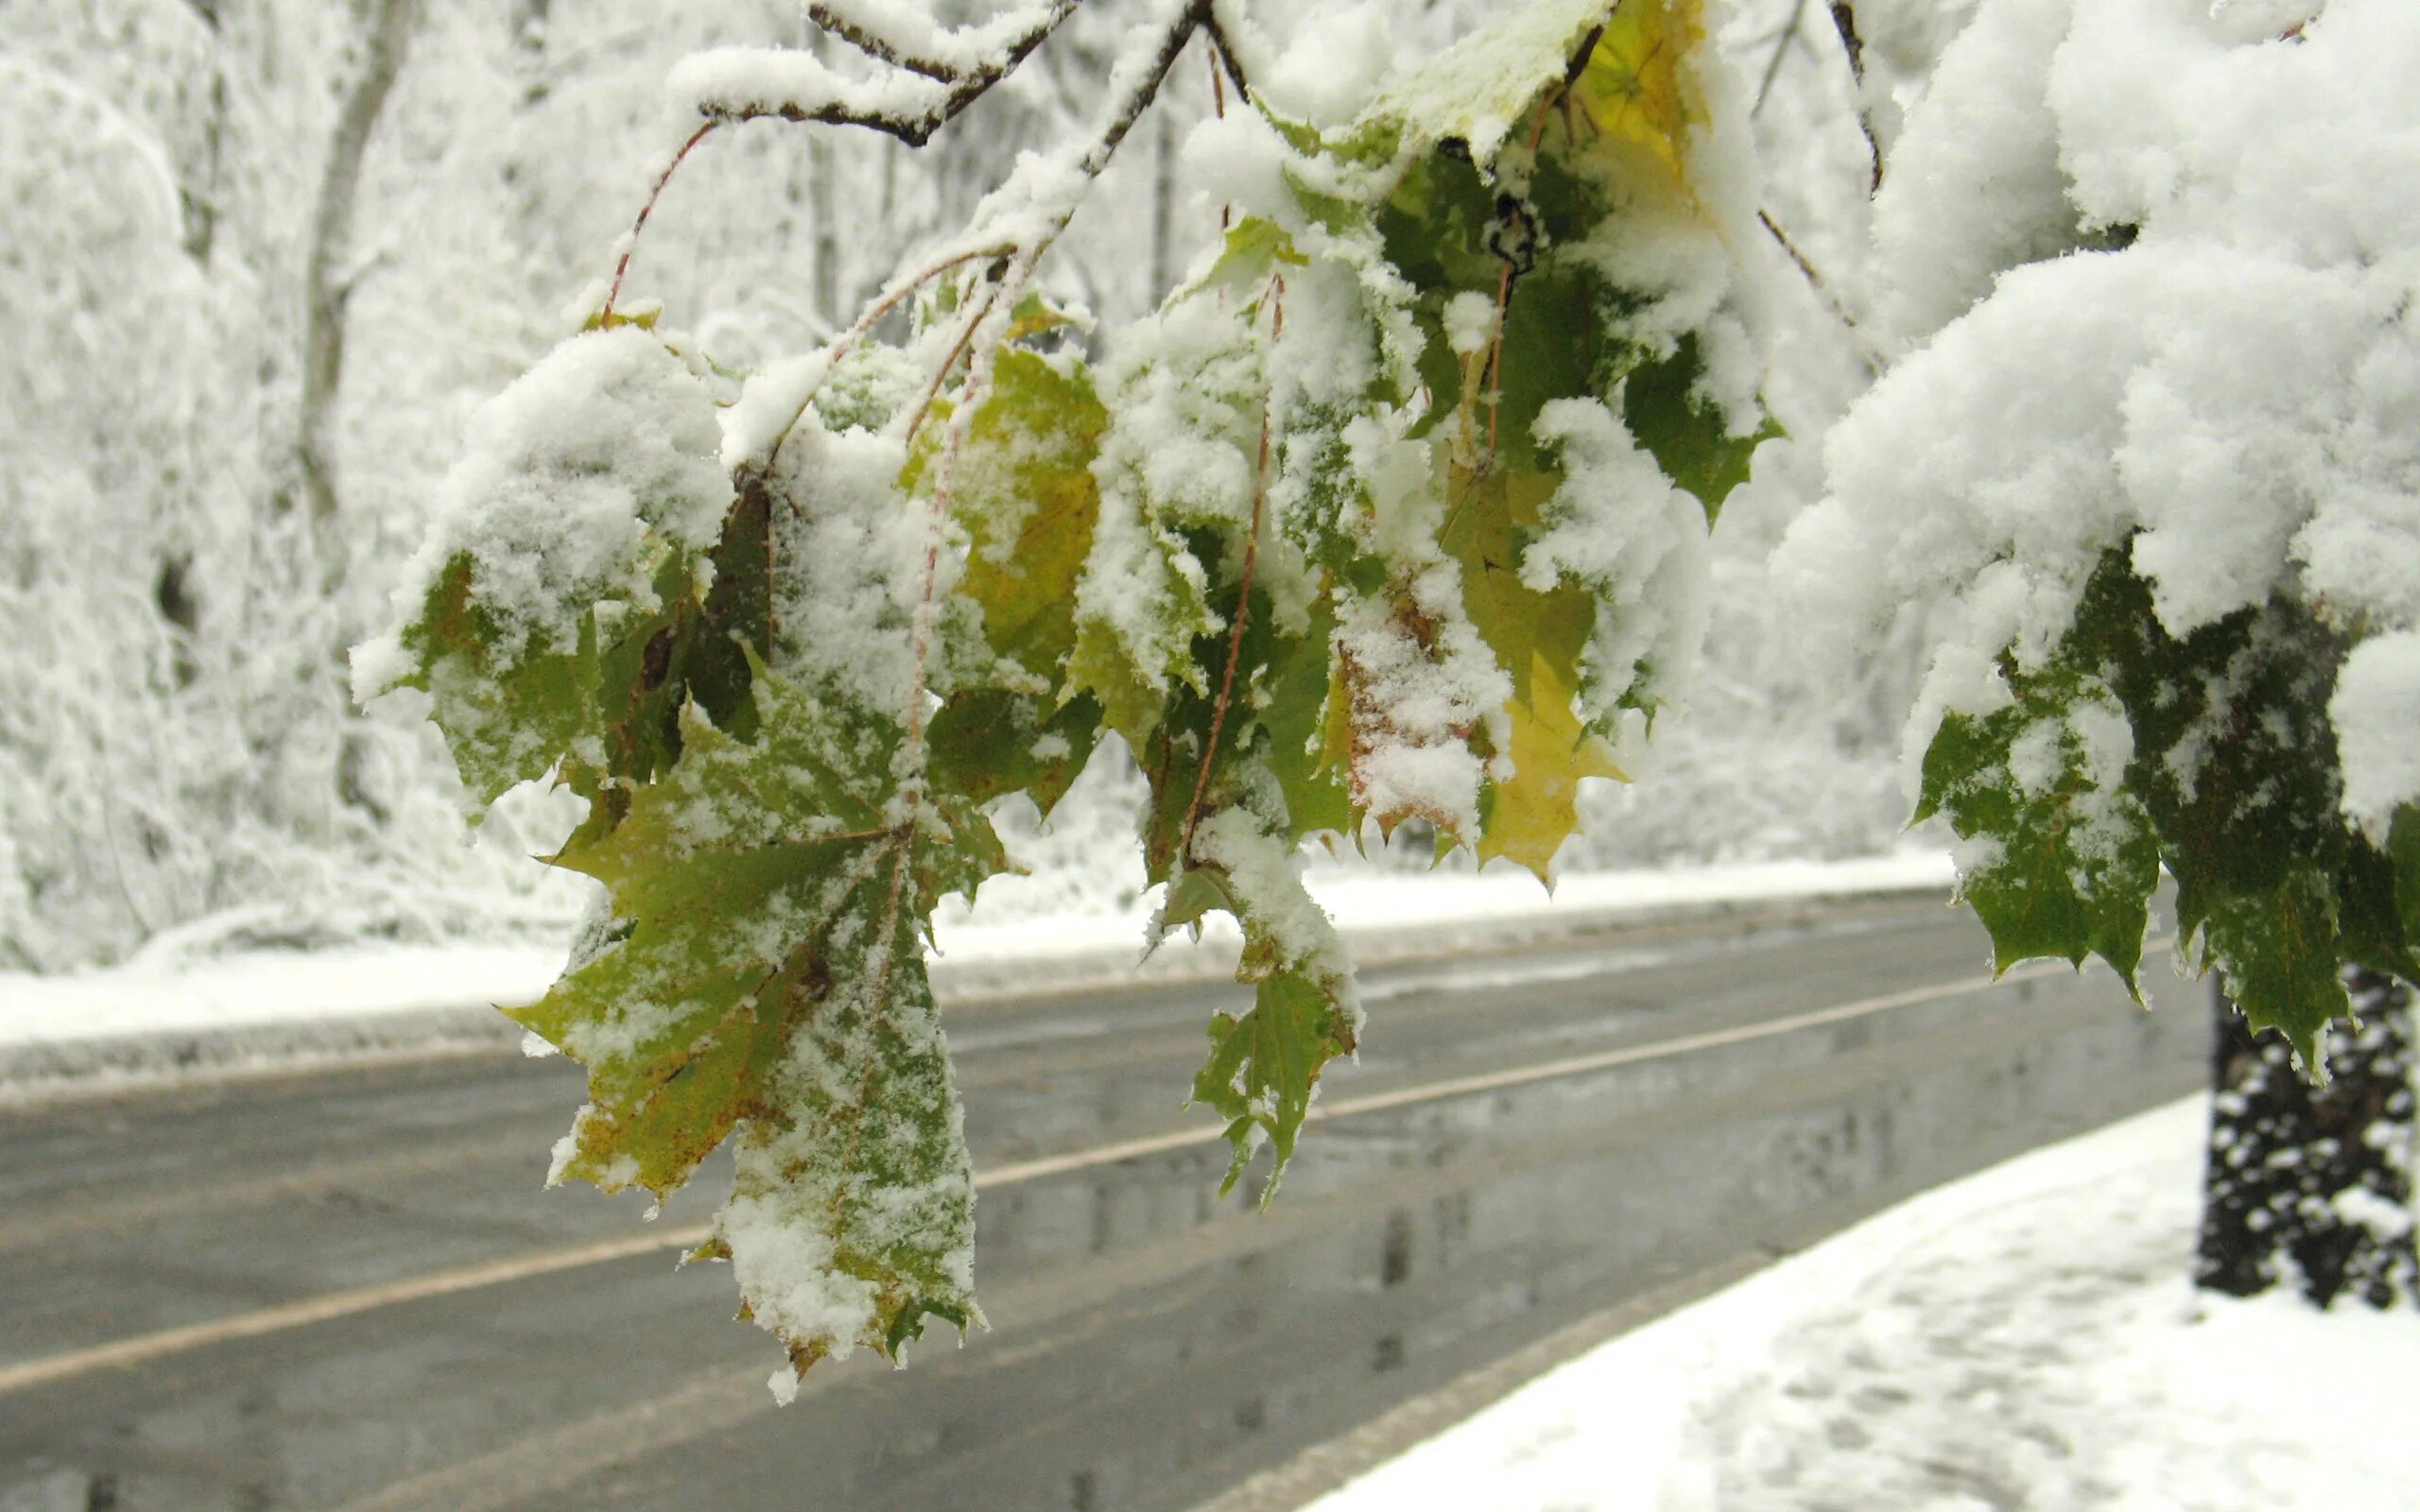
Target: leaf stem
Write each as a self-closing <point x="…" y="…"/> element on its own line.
<point x="1243" y="593"/>
<point x="622" y="263"/>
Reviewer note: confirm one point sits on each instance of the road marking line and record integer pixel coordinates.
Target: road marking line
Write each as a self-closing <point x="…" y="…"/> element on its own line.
<point x="1015" y="1172"/>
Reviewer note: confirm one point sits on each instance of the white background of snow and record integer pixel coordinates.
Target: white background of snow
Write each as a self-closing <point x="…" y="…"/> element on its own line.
<point x="282" y="987"/>
<point x="2029" y="1328"/>
<point x="133" y="807"/>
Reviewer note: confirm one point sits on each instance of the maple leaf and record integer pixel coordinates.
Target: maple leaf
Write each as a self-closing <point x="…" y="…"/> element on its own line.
<point x="1264" y="1063"/>
<point x="764" y="980"/>
<point x="1023" y="490"/>
<point x="2072" y="856"/>
<point x="1537" y="637"/>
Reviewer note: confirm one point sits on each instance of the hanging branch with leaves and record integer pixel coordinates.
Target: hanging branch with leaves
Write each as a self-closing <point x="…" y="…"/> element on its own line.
<point x="1396" y="509"/>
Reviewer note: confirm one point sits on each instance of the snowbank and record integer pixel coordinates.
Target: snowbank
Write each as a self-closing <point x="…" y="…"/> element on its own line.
<point x="2024" y="1337"/>
<point x="149" y="1018"/>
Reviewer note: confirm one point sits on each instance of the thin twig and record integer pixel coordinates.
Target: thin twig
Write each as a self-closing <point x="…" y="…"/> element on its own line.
<point x="915" y="127"/>
<point x="900" y="289"/>
<point x="622" y="263"/>
<point x="1787" y="37"/>
<point x="1243" y="593"/>
<point x="1225" y="54"/>
<point x="1119" y="122"/>
<point x="1845" y="22"/>
<point x="1823" y="290"/>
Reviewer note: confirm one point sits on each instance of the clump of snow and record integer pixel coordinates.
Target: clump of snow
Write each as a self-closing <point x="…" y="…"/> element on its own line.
<point x="1470" y="322"/>
<point x="784" y="1268"/>
<point x="1478" y="88"/>
<point x="1618" y="525"/>
<point x="850" y="553"/>
<point x="1268" y="873"/>
<point x="610" y="439"/>
<point x="2024" y="1337"/>
<point x="2230" y="394"/>
<point x="1974" y="186"/>
<point x="1333" y="65"/>
<point x="2377" y="713"/>
<point x="1420" y="681"/>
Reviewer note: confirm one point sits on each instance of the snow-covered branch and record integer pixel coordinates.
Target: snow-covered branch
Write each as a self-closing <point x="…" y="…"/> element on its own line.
<point x="928" y="76"/>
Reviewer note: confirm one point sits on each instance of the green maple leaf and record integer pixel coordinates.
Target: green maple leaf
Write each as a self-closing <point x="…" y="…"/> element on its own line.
<point x="2077" y="857"/>
<point x="768" y="984"/>
<point x="512" y="709"/>
<point x="2234" y="785"/>
<point x="1264" y="1063"/>
<point x="1023" y="490"/>
<point x="551" y="643"/>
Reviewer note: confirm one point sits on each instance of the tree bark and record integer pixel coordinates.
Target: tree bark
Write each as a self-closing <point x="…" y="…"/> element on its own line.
<point x="2311" y="1188"/>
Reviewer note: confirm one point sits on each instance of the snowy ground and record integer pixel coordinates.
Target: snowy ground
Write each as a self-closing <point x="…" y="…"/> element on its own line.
<point x="1431" y="911"/>
<point x="2021" y="1339"/>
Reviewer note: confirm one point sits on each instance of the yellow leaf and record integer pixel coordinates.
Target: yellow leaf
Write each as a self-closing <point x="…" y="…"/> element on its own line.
<point x="1024" y="491"/>
<point x="1537" y="638"/>
<point x="1536" y="810"/>
<point x="1636" y="96"/>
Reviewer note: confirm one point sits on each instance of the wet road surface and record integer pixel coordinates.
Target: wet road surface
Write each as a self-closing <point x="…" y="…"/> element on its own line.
<point x="345" y="1290"/>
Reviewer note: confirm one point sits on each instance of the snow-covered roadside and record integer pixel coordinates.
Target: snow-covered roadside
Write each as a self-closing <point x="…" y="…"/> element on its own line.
<point x="2022" y="1338"/>
<point x="283" y="1005"/>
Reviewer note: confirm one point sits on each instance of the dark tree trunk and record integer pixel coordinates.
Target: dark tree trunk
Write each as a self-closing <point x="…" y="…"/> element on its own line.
<point x="2311" y="1188"/>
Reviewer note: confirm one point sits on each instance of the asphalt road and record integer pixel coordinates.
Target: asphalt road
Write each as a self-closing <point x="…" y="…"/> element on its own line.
<point x="346" y="1290"/>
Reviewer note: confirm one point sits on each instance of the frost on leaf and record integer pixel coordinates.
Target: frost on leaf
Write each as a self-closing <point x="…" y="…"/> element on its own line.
<point x="766" y="982"/>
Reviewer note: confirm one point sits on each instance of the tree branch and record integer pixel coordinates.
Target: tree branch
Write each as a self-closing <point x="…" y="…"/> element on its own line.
<point x="911" y="115"/>
<point x="1845" y="22"/>
<point x="1225" y="53"/>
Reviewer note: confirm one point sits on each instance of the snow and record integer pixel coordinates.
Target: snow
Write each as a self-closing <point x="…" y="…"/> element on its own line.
<point x="2233" y="395"/>
<point x="1414" y="704"/>
<point x="1616" y="525"/>
<point x="2375" y="712"/>
<point x="250" y="988"/>
<point x="743" y="82"/>
<point x="1337" y="59"/>
<point x="2024" y="1337"/>
<point x="910" y="29"/>
<point x="1974" y="186"/>
<point x="1479" y="86"/>
<point x="610" y="439"/>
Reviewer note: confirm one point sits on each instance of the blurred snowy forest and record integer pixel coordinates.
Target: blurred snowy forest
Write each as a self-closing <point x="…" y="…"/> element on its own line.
<point x="262" y="258"/>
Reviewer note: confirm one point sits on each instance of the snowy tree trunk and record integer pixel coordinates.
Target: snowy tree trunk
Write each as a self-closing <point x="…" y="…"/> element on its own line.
<point x="2311" y="1188"/>
<point x="329" y="276"/>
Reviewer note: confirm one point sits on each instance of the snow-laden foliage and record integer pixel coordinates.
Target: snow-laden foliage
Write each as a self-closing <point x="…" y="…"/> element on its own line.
<point x="2154" y="428"/>
<point x="1396" y="509"/>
